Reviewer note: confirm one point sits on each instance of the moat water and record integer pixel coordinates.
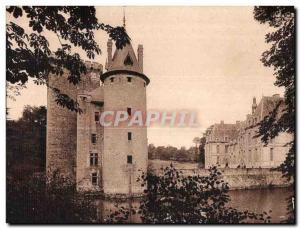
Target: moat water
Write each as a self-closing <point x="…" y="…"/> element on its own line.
<point x="260" y="200"/>
<point x="255" y="200"/>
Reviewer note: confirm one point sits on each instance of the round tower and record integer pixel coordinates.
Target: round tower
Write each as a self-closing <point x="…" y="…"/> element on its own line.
<point x="125" y="152"/>
<point x="61" y="146"/>
<point x="61" y="130"/>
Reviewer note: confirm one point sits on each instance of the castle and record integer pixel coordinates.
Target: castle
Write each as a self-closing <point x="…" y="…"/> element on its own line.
<point x="235" y="145"/>
<point x="100" y="158"/>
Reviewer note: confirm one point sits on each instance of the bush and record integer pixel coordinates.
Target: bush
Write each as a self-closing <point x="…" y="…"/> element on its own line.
<point x="31" y="200"/>
<point x="173" y="198"/>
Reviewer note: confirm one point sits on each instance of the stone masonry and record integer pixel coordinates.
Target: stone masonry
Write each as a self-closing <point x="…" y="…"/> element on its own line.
<point x="235" y="145"/>
<point x="102" y="159"/>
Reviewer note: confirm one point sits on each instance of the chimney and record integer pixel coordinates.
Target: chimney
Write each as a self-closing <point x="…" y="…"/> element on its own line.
<point x="140" y="57"/>
<point x="222" y="122"/>
<point x="109" y="53"/>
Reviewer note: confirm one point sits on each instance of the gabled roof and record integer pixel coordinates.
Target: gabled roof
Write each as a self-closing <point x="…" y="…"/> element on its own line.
<point x="125" y="59"/>
<point x="220" y="131"/>
<point x="266" y="105"/>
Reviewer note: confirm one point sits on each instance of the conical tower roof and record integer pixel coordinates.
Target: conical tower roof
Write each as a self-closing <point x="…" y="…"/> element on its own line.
<point x="125" y="59"/>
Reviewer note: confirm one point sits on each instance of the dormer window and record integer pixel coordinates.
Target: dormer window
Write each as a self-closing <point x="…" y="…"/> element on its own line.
<point x="112" y="79"/>
<point x="129" y="79"/>
<point x="128" y="60"/>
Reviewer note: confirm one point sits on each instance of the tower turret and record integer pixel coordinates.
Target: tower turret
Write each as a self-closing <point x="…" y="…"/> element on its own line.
<point x="140" y="56"/>
<point x="254" y="105"/>
<point x="109" y="54"/>
<point x="125" y="153"/>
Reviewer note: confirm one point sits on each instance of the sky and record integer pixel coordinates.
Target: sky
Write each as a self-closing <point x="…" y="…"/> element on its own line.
<point x="204" y="59"/>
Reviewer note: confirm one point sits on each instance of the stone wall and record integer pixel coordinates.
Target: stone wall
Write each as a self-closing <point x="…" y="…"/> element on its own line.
<point x="86" y="126"/>
<point x="120" y="177"/>
<point x="61" y="130"/>
<point x="236" y="178"/>
<point x="62" y="123"/>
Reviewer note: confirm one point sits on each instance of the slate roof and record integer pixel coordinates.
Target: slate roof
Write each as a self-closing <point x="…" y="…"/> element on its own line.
<point x="119" y="57"/>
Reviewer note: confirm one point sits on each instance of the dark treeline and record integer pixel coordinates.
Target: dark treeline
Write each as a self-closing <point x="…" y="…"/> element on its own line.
<point x="26" y="140"/>
<point x="174" y="154"/>
<point x="28" y="198"/>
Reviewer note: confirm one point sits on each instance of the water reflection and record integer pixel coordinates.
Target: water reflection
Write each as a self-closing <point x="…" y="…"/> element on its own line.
<point x="259" y="200"/>
<point x="256" y="200"/>
<point x="108" y="207"/>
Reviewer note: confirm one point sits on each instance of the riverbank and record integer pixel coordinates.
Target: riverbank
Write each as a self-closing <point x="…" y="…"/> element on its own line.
<point x="236" y="178"/>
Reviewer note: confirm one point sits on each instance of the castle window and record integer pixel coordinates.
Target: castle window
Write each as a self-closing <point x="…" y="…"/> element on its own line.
<point x="129" y="111"/>
<point x="129" y="136"/>
<point x="128" y="60"/>
<point x="112" y="79"/>
<point x="218" y="149"/>
<point x="129" y="79"/>
<point x="94" y="138"/>
<point x="271" y="154"/>
<point x="129" y="159"/>
<point x="93" y="159"/>
<point x="97" y="116"/>
<point x="94" y="179"/>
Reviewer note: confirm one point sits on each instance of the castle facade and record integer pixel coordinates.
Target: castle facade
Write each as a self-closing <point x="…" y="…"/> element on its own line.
<point x="236" y="145"/>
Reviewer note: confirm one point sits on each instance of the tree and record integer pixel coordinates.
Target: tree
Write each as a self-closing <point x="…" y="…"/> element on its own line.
<point x="26" y="140"/>
<point x="281" y="56"/>
<point x="172" y="153"/>
<point x="197" y="141"/>
<point x="202" y="151"/>
<point x="31" y="200"/>
<point x="28" y="54"/>
<point x="173" y="198"/>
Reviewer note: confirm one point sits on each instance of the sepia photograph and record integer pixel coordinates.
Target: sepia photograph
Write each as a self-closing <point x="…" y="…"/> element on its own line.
<point x="150" y="115"/>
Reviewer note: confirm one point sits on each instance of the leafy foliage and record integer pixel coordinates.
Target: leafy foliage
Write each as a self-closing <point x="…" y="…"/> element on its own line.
<point x="31" y="200"/>
<point x="281" y="57"/>
<point x="173" y="198"/>
<point x="172" y="153"/>
<point x="202" y="151"/>
<point x="28" y="55"/>
<point x="26" y="140"/>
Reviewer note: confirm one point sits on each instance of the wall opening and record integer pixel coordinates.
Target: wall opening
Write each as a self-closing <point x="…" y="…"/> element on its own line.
<point x="94" y="138"/>
<point x="94" y="179"/>
<point x="129" y="159"/>
<point x="129" y="136"/>
<point x="93" y="159"/>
